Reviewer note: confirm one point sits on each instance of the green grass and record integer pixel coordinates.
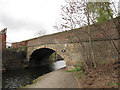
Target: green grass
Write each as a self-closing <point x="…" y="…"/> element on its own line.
<point x="76" y="69"/>
<point x="78" y="72"/>
<point x="114" y="83"/>
<point x="80" y="75"/>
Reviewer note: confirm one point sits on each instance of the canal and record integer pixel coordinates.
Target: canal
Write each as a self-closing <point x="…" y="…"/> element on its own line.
<point x="23" y="77"/>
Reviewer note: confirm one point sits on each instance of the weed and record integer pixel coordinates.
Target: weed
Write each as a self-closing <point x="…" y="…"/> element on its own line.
<point x="78" y="72"/>
<point x="80" y="75"/>
<point x="114" y="83"/>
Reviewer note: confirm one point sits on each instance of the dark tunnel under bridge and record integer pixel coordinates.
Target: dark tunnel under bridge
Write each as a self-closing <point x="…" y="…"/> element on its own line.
<point x="43" y="56"/>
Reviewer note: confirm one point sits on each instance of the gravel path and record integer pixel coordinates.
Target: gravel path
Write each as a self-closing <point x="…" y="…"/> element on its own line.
<point x="56" y="79"/>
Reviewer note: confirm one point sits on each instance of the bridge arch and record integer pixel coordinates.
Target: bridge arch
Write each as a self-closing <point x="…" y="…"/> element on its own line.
<point x="71" y="55"/>
<point x="43" y="56"/>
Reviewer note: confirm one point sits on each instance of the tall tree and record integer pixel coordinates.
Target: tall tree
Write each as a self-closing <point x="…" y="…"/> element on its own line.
<point x="119" y="8"/>
<point x="88" y="11"/>
<point x="73" y="13"/>
<point x="76" y="14"/>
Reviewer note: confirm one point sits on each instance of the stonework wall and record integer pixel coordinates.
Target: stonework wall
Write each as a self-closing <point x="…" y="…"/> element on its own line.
<point x="104" y="51"/>
<point x="76" y="44"/>
<point x="99" y="31"/>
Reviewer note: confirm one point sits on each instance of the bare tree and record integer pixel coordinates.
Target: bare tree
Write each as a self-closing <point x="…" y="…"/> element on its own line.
<point x="76" y="14"/>
<point x="41" y="32"/>
<point x="71" y="15"/>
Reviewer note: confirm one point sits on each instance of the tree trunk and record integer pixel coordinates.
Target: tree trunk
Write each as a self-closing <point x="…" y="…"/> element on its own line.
<point x="89" y="36"/>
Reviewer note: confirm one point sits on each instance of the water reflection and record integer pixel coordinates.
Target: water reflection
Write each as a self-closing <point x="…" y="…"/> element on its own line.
<point x="58" y="65"/>
<point x="22" y="77"/>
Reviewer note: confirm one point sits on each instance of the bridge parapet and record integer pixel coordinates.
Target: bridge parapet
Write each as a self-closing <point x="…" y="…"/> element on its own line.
<point x="99" y="32"/>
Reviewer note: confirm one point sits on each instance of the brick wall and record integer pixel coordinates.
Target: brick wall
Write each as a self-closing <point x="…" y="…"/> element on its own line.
<point x="3" y="39"/>
<point x="19" y="44"/>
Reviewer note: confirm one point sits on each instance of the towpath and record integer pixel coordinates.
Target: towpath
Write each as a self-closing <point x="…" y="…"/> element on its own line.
<point x="56" y="79"/>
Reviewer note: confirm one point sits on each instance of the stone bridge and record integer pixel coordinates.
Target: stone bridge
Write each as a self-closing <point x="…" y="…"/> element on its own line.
<point x="73" y="45"/>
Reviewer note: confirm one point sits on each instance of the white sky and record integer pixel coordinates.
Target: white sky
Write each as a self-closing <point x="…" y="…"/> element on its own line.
<point x="25" y="18"/>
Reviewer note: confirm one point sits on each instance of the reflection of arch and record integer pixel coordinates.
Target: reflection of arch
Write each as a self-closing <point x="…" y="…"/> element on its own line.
<point x="41" y="57"/>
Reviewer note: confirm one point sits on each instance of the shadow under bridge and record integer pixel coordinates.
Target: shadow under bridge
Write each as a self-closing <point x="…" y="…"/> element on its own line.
<point x="43" y="56"/>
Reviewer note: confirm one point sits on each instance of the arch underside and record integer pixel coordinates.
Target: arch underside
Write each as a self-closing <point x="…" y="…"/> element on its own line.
<point x="43" y="56"/>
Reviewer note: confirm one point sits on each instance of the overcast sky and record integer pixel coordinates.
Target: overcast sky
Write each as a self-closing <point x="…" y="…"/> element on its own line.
<point x="25" y="18"/>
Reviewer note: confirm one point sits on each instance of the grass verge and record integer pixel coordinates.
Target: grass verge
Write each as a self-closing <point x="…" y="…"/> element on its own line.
<point x="78" y="72"/>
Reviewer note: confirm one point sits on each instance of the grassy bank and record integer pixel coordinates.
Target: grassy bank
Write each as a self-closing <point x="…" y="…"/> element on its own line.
<point x="103" y="76"/>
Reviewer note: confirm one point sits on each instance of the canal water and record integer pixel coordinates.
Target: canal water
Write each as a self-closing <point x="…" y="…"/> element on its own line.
<point x="22" y="77"/>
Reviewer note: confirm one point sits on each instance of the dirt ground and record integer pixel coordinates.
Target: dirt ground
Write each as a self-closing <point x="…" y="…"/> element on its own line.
<point x="103" y="76"/>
